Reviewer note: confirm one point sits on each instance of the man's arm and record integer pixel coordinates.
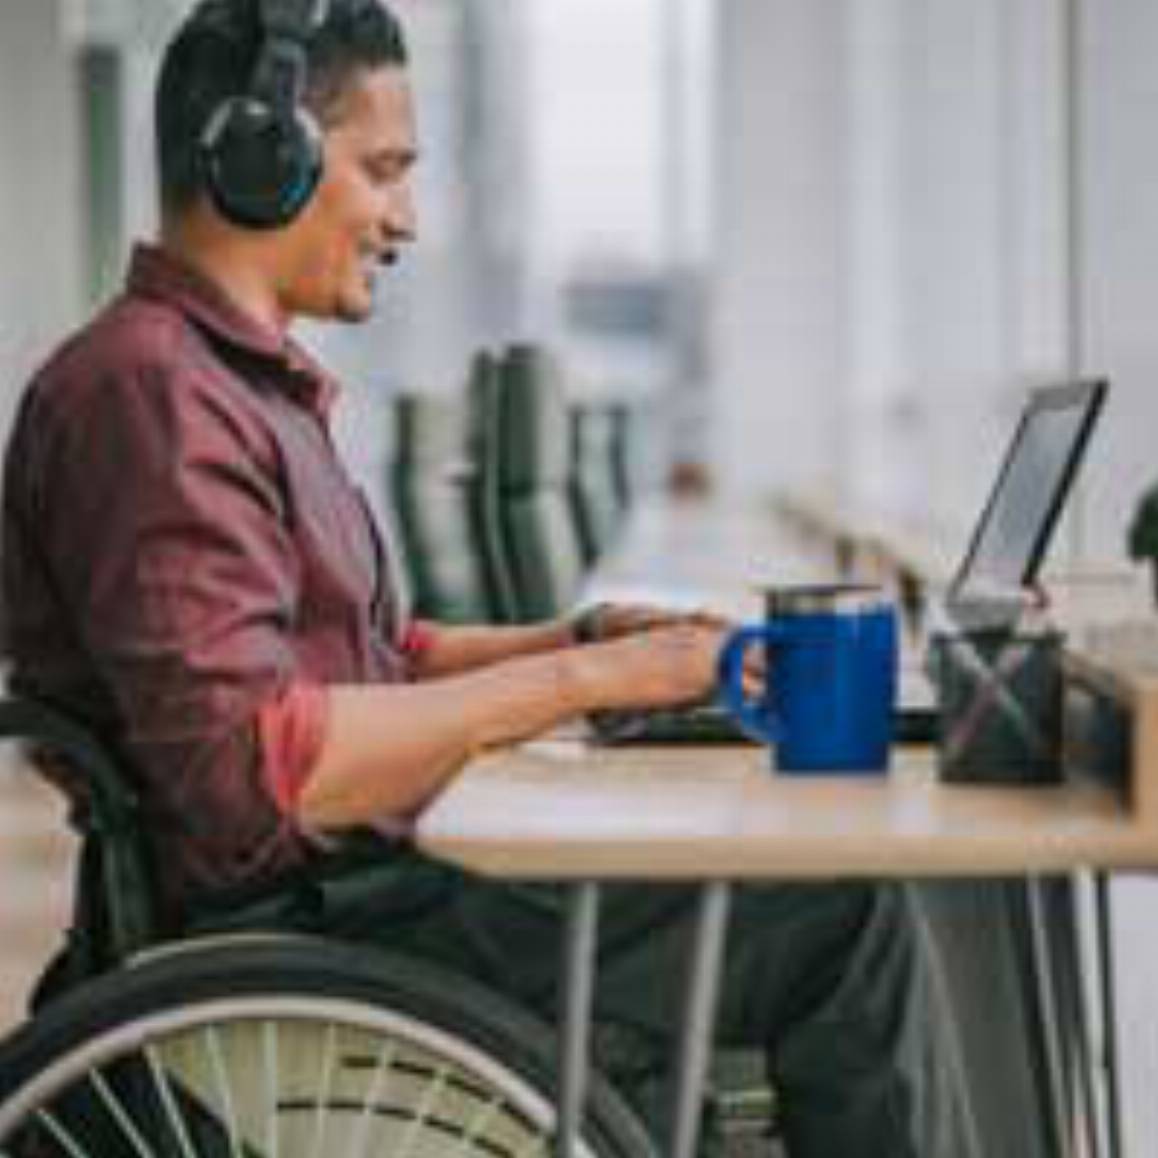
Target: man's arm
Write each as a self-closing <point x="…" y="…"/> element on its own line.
<point x="451" y="650"/>
<point x="190" y="617"/>
<point x="388" y="750"/>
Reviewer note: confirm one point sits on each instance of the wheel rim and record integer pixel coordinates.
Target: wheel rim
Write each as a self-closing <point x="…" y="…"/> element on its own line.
<point x="290" y="1077"/>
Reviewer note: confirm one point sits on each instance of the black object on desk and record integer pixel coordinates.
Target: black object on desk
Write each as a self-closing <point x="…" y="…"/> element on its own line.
<point x="707" y="723"/>
<point x="712" y="723"/>
<point x="1000" y="694"/>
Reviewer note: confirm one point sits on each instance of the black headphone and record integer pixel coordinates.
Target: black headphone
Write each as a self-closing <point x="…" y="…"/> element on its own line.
<point x="261" y="152"/>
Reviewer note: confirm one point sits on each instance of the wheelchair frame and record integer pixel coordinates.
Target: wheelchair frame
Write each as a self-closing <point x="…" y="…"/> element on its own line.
<point x="182" y="1048"/>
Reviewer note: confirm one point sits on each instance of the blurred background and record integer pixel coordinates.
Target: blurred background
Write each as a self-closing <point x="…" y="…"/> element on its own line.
<point x="833" y="242"/>
<point x="824" y="246"/>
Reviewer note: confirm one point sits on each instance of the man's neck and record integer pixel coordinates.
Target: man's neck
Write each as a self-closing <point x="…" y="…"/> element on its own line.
<point x="231" y="263"/>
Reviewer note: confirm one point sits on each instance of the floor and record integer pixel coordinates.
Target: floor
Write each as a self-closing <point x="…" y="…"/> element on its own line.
<point x="35" y="854"/>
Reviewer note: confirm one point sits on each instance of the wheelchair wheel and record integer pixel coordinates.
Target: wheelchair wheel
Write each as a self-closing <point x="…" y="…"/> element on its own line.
<point x="289" y="1048"/>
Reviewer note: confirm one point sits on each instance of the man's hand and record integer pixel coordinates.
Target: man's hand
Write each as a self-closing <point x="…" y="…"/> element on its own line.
<point x="607" y="621"/>
<point x="665" y="666"/>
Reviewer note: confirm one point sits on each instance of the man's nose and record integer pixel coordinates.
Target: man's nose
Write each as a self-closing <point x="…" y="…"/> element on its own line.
<point x="401" y="221"/>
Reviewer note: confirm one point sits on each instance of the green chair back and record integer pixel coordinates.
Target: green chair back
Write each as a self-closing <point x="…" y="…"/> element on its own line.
<point x="594" y="490"/>
<point x="431" y="479"/>
<point x="484" y="397"/>
<point x="532" y="455"/>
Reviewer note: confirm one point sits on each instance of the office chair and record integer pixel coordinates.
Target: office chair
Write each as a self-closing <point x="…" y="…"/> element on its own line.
<point x="594" y="487"/>
<point x="530" y="452"/>
<point x="484" y="389"/>
<point x="431" y="479"/>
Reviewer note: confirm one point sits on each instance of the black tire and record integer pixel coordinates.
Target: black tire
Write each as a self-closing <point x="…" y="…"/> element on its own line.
<point x="195" y="1045"/>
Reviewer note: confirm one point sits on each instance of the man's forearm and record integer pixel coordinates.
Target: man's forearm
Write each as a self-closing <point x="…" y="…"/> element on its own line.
<point x="389" y="749"/>
<point x="453" y="650"/>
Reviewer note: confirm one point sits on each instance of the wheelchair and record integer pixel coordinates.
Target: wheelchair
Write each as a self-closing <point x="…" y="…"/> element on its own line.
<point x="258" y="1045"/>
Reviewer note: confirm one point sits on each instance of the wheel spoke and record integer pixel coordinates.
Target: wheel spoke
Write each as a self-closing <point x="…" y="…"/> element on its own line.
<point x="223" y="1083"/>
<point x="169" y="1102"/>
<point x="430" y="1099"/>
<point x="272" y="1089"/>
<point x="119" y="1114"/>
<point x="58" y="1131"/>
<point x="361" y="1135"/>
<point x="325" y="1085"/>
<point x="479" y="1124"/>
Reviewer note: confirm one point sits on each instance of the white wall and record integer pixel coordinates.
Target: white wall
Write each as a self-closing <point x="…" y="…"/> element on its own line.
<point x="41" y="243"/>
<point x="1120" y="251"/>
<point x="779" y="358"/>
<point x="893" y="267"/>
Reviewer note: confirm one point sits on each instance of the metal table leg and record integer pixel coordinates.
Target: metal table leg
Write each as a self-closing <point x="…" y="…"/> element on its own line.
<point x="1104" y="932"/>
<point x="703" y="987"/>
<point x="1070" y="951"/>
<point x="1048" y="1012"/>
<point x="578" y="992"/>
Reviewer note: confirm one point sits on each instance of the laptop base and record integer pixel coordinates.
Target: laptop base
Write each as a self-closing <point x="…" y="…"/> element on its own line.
<point x="713" y="724"/>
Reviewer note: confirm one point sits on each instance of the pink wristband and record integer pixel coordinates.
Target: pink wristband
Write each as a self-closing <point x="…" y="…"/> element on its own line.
<point x="291" y="731"/>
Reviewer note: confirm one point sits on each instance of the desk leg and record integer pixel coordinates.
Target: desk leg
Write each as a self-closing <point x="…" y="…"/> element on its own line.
<point x="1066" y="926"/>
<point x="699" y="1016"/>
<point x="1048" y="1014"/>
<point x="578" y="992"/>
<point x="1104" y="933"/>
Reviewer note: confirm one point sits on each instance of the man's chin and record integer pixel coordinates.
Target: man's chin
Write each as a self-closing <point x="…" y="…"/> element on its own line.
<point x="353" y="312"/>
<point x="348" y="310"/>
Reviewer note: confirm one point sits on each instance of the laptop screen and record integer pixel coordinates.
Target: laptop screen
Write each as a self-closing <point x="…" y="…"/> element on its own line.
<point x="1015" y="527"/>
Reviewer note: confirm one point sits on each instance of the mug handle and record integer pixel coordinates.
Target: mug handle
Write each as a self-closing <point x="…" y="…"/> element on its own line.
<point x="757" y="718"/>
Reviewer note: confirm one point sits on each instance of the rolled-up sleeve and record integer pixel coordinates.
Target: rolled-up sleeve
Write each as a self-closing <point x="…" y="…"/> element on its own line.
<point x="418" y="638"/>
<point x="292" y="727"/>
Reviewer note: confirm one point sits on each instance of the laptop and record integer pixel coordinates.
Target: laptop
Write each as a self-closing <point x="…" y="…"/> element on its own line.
<point x="1016" y="525"/>
<point x="1003" y="560"/>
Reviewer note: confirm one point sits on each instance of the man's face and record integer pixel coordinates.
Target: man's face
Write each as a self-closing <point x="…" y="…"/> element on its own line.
<point x="362" y="210"/>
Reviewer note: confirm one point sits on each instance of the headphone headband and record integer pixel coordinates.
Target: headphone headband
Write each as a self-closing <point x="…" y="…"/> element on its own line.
<point x="296" y="20"/>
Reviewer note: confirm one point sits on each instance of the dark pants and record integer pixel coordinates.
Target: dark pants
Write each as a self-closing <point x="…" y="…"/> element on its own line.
<point x="836" y="982"/>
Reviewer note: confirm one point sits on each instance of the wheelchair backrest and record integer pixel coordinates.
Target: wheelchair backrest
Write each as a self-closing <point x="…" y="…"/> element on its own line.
<point x="115" y="847"/>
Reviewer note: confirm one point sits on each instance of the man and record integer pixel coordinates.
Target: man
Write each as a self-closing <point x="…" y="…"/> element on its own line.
<point x="188" y="569"/>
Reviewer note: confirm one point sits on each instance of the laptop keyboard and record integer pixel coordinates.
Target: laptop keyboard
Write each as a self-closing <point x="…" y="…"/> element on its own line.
<point x="707" y="723"/>
<point x="711" y="723"/>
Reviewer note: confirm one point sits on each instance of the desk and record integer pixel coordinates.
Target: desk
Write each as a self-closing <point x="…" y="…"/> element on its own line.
<point x="560" y="810"/>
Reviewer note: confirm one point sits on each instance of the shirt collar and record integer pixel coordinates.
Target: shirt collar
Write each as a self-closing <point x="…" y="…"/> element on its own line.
<point x="156" y="273"/>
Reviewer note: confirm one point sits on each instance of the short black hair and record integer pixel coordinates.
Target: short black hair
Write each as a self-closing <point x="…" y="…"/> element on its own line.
<point x="213" y="55"/>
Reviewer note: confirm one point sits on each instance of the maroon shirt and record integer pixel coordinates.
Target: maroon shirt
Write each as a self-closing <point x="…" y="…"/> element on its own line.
<point x="181" y="548"/>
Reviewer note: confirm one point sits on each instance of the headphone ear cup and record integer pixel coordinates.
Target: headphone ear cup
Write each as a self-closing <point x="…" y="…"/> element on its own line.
<point x="261" y="167"/>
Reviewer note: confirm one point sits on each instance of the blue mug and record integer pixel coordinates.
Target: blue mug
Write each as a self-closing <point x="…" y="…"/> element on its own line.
<point x="828" y="702"/>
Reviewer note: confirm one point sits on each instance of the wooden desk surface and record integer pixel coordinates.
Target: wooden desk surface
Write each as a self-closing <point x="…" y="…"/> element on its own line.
<point x="561" y="809"/>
